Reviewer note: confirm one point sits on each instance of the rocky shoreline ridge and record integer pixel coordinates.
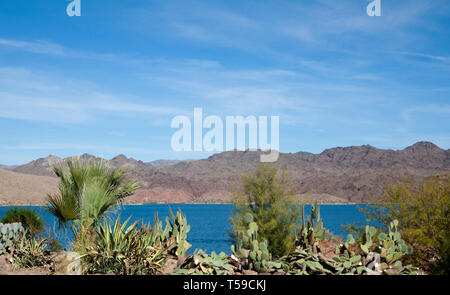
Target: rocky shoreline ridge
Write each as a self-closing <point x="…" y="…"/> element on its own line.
<point x="341" y="175"/>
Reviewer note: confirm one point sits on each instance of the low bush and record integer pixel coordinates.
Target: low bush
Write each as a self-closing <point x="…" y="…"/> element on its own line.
<point x="132" y="250"/>
<point x="423" y="212"/>
<point x="31" y="221"/>
<point x="123" y="250"/>
<point x="31" y="252"/>
<point x="266" y="197"/>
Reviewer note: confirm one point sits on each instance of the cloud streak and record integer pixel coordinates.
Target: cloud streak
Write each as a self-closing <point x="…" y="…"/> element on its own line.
<point x="28" y="95"/>
<point x="40" y="47"/>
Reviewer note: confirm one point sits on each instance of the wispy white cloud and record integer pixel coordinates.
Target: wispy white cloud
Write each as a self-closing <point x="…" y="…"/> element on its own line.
<point x="41" y="47"/>
<point x="55" y="49"/>
<point x="318" y="24"/>
<point x="409" y="112"/>
<point x="28" y="95"/>
<point x="428" y="56"/>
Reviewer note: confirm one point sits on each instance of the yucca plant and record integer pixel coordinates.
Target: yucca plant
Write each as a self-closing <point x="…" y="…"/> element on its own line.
<point x="88" y="190"/>
<point x="124" y="250"/>
<point x="30" y="252"/>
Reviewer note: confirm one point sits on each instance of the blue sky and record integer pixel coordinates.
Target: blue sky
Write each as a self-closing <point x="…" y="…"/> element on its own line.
<point x="111" y="80"/>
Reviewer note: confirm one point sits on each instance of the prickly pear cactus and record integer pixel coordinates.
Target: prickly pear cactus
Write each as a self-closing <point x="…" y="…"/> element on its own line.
<point x="381" y="252"/>
<point x="173" y="236"/>
<point x="178" y="229"/>
<point x="392" y="248"/>
<point x="10" y="234"/>
<point x="251" y="253"/>
<point x="200" y="263"/>
<point x="369" y="234"/>
<point x="312" y="232"/>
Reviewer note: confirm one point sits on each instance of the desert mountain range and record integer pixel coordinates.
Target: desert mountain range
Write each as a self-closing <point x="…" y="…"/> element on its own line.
<point x="353" y="174"/>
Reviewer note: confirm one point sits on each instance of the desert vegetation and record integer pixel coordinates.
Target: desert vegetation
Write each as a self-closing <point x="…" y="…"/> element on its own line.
<point x="271" y="234"/>
<point x="423" y="214"/>
<point x="267" y="200"/>
<point x="88" y="191"/>
<point x="29" y="219"/>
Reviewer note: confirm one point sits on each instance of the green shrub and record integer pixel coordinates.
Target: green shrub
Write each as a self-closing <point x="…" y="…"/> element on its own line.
<point x="423" y="214"/>
<point x="251" y="254"/>
<point x="311" y="232"/>
<point x="28" y="217"/>
<point x="132" y="250"/>
<point x="381" y="257"/>
<point x="31" y="252"/>
<point x="88" y="191"/>
<point x="265" y="197"/>
<point x="123" y="250"/>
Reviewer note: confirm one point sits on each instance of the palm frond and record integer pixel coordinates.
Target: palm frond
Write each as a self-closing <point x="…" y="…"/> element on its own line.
<point x="88" y="191"/>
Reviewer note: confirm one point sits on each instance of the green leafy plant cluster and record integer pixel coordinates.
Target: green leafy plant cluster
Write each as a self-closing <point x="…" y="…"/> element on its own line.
<point x="423" y="212"/>
<point x="311" y="232"/>
<point x="381" y="257"/>
<point x="251" y="254"/>
<point x="31" y="221"/>
<point x="25" y="249"/>
<point x="132" y="250"/>
<point x="383" y="252"/>
<point x="374" y="252"/>
<point x="31" y="252"/>
<point x="10" y="234"/>
<point x="265" y="196"/>
<point x="174" y="236"/>
<point x="123" y="250"/>
<point x="200" y="263"/>
<point x="378" y="253"/>
<point x="88" y="191"/>
<point x="306" y="262"/>
<point x="301" y="261"/>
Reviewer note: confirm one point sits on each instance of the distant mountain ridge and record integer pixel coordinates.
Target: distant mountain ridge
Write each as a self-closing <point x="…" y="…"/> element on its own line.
<point x="8" y="166"/>
<point x="340" y="174"/>
<point x="162" y="163"/>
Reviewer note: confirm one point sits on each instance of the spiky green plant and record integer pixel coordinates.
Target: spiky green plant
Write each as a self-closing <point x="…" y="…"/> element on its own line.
<point x="311" y="232"/>
<point x="124" y="250"/>
<point x="30" y="252"/>
<point x="88" y="190"/>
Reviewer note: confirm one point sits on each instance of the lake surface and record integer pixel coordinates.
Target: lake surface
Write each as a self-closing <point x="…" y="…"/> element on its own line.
<point x="209" y="223"/>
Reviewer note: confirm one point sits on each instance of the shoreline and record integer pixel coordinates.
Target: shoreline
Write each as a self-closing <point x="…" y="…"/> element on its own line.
<point x="140" y="204"/>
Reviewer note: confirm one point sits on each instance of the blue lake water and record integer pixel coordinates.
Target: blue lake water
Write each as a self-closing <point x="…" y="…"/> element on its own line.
<point x="209" y="223"/>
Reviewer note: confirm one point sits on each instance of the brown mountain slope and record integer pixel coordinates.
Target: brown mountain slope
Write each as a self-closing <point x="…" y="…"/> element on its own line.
<point x="341" y="174"/>
<point x="24" y="189"/>
<point x="355" y="174"/>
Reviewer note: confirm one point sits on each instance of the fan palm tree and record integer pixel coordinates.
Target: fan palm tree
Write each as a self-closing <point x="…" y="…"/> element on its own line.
<point x="87" y="192"/>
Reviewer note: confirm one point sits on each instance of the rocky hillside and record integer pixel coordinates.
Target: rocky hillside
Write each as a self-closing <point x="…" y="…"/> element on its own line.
<point x="338" y="175"/>
<point x="162" y="163"/>
<point x="24" y="189"/>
